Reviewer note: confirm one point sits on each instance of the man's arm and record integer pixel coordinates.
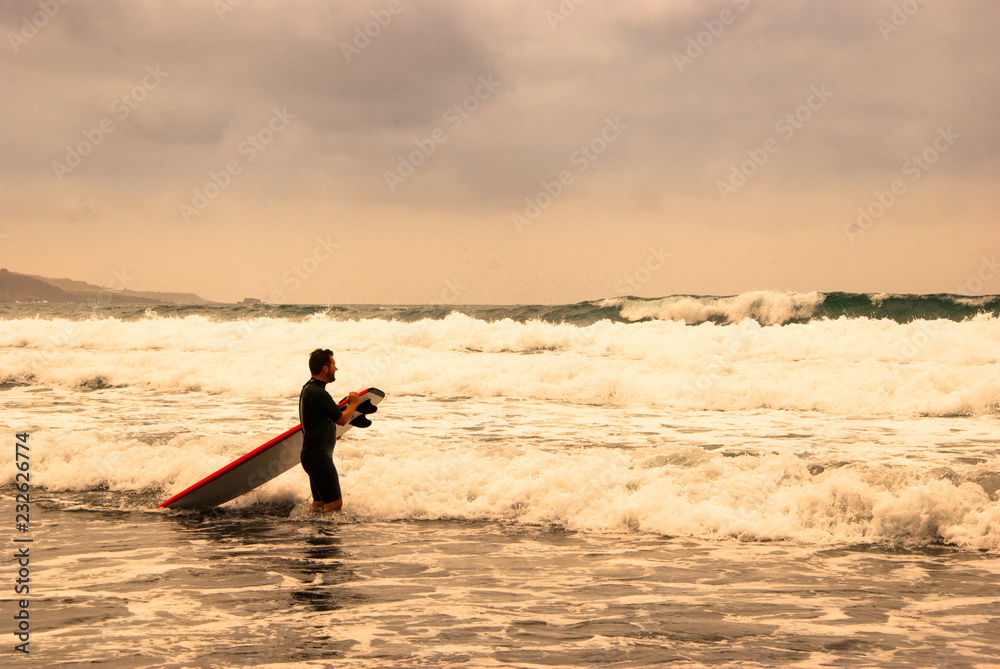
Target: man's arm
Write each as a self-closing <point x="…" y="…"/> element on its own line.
<point x="352" y="404"/>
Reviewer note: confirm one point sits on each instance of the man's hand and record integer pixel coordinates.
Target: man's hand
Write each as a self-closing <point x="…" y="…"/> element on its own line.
<point x="348" y="412"/>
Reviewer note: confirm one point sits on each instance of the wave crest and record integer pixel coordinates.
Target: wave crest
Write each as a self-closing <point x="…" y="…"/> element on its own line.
<point x="764" y="307"/>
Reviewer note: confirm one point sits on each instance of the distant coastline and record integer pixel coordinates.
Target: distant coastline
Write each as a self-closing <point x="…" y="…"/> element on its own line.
<point x="16" y="287"/>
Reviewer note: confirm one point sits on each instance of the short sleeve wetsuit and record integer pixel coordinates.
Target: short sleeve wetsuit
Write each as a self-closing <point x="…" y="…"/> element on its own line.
<point x="319" y="414"/>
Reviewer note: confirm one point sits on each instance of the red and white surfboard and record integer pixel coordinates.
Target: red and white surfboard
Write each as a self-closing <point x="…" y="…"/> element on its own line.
<point x="263" y="463"/>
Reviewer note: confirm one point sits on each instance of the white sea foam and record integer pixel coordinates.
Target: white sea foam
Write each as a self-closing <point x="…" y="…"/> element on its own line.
<point x="858" y="366"/>
<point x="672" y="489"/>
<point x="766" y="308"/>
<point x="762" y="475"/>
<point x="826" y="432"/>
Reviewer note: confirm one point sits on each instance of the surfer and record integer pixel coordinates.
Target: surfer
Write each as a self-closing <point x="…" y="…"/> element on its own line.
<point x="319" y="416"/>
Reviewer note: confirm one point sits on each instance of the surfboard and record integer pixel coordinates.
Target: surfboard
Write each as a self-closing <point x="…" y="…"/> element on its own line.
<point x="264" y="463"/>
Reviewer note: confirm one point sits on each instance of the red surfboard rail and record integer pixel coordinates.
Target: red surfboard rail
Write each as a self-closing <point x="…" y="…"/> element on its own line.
<point x="231" y="466"/>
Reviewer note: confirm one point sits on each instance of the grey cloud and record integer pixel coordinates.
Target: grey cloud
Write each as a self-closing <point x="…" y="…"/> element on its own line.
<point x="686" y="125"/>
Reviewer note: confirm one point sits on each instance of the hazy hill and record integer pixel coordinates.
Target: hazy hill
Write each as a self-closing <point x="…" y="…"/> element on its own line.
<point x="16" y="287"/>
<point x="22" y="288"/>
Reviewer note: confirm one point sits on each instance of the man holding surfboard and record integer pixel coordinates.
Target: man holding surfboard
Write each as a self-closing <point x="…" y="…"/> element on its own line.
<point x="310" y="443"/>
<point x="319" y="416"/>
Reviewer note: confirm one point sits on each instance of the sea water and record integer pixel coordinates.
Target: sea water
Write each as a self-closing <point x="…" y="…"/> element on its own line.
<point x="762" y="480"/>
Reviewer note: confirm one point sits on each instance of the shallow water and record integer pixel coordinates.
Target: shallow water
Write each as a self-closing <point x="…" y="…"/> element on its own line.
<point x="271" y="585"/>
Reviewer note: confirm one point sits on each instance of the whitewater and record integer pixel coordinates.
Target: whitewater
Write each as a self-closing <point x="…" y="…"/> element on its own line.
<point x="764" y="443"/>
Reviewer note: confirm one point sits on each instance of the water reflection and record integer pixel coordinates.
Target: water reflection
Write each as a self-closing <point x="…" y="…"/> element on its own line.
<point x="307" y="554"/>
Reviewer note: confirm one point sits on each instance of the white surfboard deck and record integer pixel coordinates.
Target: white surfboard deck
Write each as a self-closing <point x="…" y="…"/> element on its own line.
<point x="260" y="465"/>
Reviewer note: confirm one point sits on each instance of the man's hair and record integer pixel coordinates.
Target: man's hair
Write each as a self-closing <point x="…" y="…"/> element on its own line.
<point x="319" y="359"/>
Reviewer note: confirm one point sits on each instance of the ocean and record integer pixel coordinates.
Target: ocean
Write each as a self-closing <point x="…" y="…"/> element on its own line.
<point x="767" y="479"/>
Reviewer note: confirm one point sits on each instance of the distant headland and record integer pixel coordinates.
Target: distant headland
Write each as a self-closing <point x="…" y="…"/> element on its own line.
<point x="15" y="287"/>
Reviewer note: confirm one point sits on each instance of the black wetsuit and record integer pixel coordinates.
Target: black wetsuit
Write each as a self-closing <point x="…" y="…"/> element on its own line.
<point x="319" y="414"/>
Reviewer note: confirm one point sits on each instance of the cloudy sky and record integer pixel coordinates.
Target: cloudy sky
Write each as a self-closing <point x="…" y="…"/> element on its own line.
<point x="407" y="151"/>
